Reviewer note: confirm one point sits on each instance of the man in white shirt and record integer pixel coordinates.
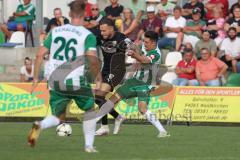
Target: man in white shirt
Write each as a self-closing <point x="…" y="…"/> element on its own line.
<point x="26" y="71"/>
<point x="231" y="48"/>
<point x="173" y="26"/>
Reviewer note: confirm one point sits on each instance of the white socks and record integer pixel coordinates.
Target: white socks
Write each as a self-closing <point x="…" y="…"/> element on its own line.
<point x="151" y="117"/>
<point x="89" y="128"/>
<point x="49" y="121"/>
<point x="105" y="109"/>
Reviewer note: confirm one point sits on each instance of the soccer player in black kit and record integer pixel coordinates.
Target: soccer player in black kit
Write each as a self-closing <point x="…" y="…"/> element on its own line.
<point x="112" y="45"/>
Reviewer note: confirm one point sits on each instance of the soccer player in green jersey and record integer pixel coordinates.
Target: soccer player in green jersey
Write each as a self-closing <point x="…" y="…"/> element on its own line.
<point x="66" y="44"/>
<point x="140" y="84"/>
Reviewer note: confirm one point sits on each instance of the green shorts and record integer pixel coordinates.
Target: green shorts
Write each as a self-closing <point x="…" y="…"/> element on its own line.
<point x="135" y="88"/>
<point x="59" y="101"/>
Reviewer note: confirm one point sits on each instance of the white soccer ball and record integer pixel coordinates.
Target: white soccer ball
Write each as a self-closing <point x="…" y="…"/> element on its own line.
<point x="63" y="130"/>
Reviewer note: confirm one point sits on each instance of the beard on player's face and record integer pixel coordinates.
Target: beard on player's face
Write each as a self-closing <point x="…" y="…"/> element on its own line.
<point x="107" y="32"/>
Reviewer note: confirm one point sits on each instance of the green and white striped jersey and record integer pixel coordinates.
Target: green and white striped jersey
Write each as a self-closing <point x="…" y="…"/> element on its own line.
<point x="148" y="72"/>
<point x="66" y="43"/>
<point x="29" y="9"/>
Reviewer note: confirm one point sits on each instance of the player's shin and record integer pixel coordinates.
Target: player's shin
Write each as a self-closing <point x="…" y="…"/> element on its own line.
<point x="49" y="121"/>
<point x="89" y="127"/>
<point x="151" y="117"/>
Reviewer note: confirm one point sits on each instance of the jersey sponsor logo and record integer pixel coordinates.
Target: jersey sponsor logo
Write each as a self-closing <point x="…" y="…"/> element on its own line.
<point x="109" y="47"/>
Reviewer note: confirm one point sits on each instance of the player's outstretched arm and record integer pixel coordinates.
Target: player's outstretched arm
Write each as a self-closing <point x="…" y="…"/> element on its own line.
<point x="94" y="66"/>
<point x="37" y="65"/>
<point x="140" y="58"/>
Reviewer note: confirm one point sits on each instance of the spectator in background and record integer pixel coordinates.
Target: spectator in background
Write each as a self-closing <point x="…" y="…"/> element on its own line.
<point x="88" y="12"/>
<point x="114" y="11"/>
<point x="216" y="26"/>
<point x="231" y="48"/>
<point x="27" y="71"/>
<point x="152" y="23"/>
<point x="130" y="25"/>
<point x="92" y="22"/>
<point x="185" y="69"/>
<point x="165" y="9"/>
<point x="218" y="4"/>
<point x="173" y="26"/>
<point x="209" y="70"/>
<point x="58" y="20"/>
<point x="234" y="21"/>
<point x="237" y="4"/>
<point x="188" y="9"/>
<point x="18" y="21"/>
<point x="206" y="42"/>
<point x="192" y="31"/>
<point x="138" y="7"/>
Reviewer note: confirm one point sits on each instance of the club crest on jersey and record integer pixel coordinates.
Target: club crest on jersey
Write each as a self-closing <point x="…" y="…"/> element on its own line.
<point x="152" y="57"/>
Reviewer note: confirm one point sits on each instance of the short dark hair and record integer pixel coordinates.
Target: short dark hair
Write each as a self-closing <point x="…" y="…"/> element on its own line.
<point x="153" y="36"/>
<point x="177" y="8"/>
<point x="232" y="29"/>
<point x="187" y="50"/>
<point x="206" y="31"/>
<point x="236" y="7"/>
<point x="107" y="21"/>
<point x="27" y="59"/>
<point x="77" y="8"/>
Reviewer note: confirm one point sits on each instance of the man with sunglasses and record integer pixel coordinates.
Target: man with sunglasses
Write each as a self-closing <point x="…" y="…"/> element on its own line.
<point x="92" y="22"/>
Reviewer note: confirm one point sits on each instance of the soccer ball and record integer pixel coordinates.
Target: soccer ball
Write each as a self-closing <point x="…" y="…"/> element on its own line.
<point x="63" y="130"/>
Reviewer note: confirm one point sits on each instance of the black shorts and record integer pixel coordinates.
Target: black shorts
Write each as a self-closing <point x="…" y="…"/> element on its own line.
<point x="113" y="79"/>
<point x="106" y="78"/>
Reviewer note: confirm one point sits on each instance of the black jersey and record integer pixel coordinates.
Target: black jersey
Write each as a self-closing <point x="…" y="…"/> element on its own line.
<point x="113" y="51"/>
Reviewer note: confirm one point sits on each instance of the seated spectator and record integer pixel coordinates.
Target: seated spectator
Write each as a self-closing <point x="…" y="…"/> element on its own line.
<point x="188" y="9"/>
<point x="216" y="26"/>
<point x="206" y="42"/>
<point x="231" y="48"/>
<point x="58" y="20"/>
<point x="92" y="22"/>
<point x="216" y="4"/>
<point x="18" y="22"/>
<point x="185" y="69"/>
<point x="27" y="71"/>
<point x="192" y="31"/>
<point x="130" y="25"/>
<point x="209" y="70"/>
<point x="234" y="21"/>
<point x="232" y="8"/>
<point x="138" y="7"/>
<point x="173" y="26"/>
<point x="165" y="9"/>
<point x="114" y="12"/>
<point x="152" y="23"/>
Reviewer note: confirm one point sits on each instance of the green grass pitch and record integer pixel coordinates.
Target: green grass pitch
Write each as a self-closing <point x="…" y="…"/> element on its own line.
<point x="135" y="142"/>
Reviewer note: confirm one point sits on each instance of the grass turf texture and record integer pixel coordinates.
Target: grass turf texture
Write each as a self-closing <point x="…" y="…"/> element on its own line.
<point x="135" y="142"/>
